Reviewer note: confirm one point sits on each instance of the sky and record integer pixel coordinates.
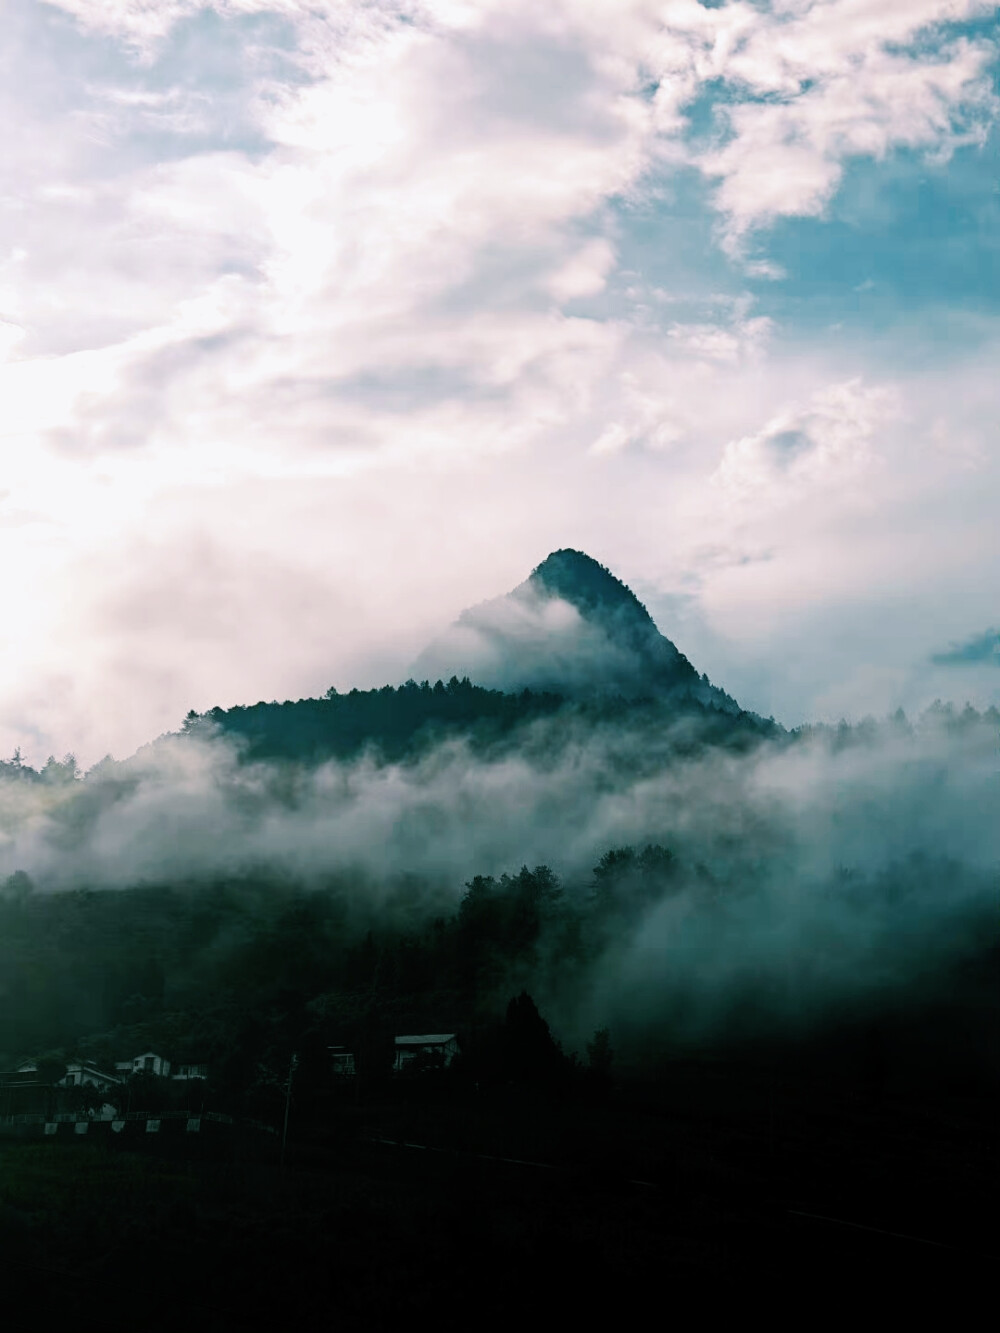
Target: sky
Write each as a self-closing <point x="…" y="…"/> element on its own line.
<point x="320" y="322"/>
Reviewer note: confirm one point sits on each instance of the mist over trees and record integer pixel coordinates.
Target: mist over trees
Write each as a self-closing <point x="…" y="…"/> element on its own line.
<point x="674" y="890"/>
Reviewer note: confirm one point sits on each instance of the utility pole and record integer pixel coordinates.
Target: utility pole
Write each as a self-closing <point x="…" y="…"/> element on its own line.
<point x="288" y="1101"/>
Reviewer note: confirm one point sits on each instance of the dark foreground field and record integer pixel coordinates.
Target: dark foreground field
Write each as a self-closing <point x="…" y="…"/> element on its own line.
<point x="720" y="1189"/>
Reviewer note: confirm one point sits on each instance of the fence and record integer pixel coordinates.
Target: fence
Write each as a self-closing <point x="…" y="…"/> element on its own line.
<point x="152" y="1122"/>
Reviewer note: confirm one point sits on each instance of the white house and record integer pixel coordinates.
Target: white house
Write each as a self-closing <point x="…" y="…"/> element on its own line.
<point x="85" y="1074"/>
<point x="147" y="1063"/>
<point x="431" y="1050"/>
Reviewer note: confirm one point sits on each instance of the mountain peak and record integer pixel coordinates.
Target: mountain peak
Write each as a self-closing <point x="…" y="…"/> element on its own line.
<point x="571" y="627"/>
<point x="582" y="581"/>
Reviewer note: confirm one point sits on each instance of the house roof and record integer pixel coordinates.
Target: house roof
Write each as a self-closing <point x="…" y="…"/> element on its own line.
<point x="428" y="1039"/>
<point x="89" y="1067"/>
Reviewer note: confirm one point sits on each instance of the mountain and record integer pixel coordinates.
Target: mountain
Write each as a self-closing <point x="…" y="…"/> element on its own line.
<point x="573" y="628"/>
<point x="571" y="635"/>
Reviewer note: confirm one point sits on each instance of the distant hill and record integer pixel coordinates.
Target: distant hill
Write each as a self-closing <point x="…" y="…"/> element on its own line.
<point x="402" y="723"/>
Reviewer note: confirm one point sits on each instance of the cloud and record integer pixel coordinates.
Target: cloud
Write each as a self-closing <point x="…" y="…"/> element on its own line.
<point x="825" y="82"/>
<point x="745" y="338"/>
<point x="981" y="648"/>
<point x="584" y="274"/>
<point x="808" y="85"/>
<point x="826" y="443"/>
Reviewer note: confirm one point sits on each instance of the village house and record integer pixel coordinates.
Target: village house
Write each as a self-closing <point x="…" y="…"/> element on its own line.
<point x="184" y="1072"/>
<point x="429" y="1051"/>
<point x="26" y="1071"/>
<point x="25" y="1090"/>
<point x="41" y="1088"/>
<point x="151" y="1063"/>
<point x="341" y="1062"/>
<point x="147" y="1063"/>
<point x="85" y="1074"/>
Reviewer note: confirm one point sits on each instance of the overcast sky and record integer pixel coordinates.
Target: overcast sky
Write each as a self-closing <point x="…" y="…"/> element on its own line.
<point x="320" y="321"/>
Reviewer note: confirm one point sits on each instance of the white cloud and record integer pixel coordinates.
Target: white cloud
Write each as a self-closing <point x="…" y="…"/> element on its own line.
<point x="667" y="390"/>
<point x="585" y="273"/>
<point x="142" y="22"/>
<point x="842" y="79"/>
<point x="744" y="338"/>
<point x="827" y="443"/>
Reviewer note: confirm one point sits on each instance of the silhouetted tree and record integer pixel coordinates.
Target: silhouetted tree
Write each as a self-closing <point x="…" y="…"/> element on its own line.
<point x="531" y="1054"/>
<point x="599" y="1052"/>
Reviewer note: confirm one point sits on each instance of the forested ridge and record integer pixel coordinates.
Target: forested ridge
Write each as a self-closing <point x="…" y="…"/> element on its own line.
<point x="396" y="722"/>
